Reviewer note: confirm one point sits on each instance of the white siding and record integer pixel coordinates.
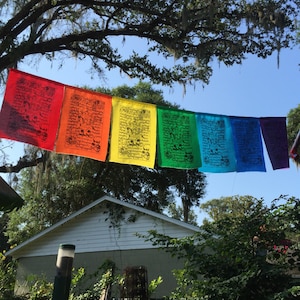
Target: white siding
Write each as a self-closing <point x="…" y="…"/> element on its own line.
<point x="92" y="231"/>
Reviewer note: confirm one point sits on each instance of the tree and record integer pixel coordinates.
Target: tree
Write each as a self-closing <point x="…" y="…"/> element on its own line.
<point x="293" y="127"/>
<point x="188" y="186"/>
<point x="176" y="212"/>
<point x="193" y="32"/>
<point x="62" y="184"/>
<point x="226" y="207"/>
<point x="239" y="256"/>
<point x="293" y="133"/>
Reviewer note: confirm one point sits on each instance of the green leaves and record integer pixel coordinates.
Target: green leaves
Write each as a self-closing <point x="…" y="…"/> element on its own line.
<point x="241" y="254"/>
<point x="193" y="33"/>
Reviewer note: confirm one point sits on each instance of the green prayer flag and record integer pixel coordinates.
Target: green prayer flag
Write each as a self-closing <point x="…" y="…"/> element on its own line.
<point x="178" y="145"/>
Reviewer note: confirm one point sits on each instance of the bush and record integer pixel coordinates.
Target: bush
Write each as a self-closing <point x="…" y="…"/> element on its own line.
<point x="7" y="277"/>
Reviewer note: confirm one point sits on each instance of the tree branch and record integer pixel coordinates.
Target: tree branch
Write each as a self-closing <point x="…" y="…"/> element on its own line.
<point x="21" y="164"/>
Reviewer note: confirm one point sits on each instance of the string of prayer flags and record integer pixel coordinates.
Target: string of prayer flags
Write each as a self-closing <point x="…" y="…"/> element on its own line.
<point x="178" y="144"/>
<point x="84" y="124"/>
<point x="216" y="143"/>
<point x="275" y="136"/>
<point x="75" y="121"/>
<point x="248" y="144"/>
<point x="133" y="132"/>
<point x="31" y="109"/>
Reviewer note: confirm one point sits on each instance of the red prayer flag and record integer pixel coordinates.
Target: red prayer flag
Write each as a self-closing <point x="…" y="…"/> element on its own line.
<point x="31" y="109"/>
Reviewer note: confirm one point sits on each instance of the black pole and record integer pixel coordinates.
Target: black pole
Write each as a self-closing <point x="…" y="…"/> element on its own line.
<point x="62" y="280"/>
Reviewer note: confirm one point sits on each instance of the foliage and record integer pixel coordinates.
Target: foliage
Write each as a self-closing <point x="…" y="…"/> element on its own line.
<point x="235" y="206"/>
<point x="193" y="32"/>
<point x="41" y="289"/>
<point x="188" y="185"/>
<point x="236" y="256"/>
<point x="7" y="277"/>
<point x="176" y="212"/>
<point x="293" y="121"/>
<point x="293" y="127"/>
<point x="154" y="284"/>
<point x="63" y="184"/>
<point x="108" y="284"/>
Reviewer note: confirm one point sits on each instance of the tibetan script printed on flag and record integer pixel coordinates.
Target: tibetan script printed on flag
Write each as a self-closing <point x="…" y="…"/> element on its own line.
<point x="178" y="145"/>
<point x="84" y="125"/>
<point x="133" y="133"/>
<point x="216" y="143"/>
<point x="31" y="109"/>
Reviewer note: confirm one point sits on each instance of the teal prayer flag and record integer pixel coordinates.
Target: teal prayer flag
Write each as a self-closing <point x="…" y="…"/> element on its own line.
<point x="216" y="143"/>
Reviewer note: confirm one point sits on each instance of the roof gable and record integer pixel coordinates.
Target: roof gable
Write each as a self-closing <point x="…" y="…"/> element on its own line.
<point x="9" y="199"/>
<point x="88" y="226"/>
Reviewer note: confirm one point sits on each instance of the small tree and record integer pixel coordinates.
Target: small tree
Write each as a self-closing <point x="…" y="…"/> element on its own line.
<point x="234" y="257"/>
<point x="7" y="277"/>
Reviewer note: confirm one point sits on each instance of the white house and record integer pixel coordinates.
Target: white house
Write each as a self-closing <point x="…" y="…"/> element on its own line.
<point x="105" y="229"/>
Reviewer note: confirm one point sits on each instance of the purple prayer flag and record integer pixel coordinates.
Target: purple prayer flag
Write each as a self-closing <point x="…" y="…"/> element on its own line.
<point x="275" y="136"/>
<point x="248" y="144"/>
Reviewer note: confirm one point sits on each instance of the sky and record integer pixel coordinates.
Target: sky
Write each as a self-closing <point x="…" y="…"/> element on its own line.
<point x="257" y="88"/>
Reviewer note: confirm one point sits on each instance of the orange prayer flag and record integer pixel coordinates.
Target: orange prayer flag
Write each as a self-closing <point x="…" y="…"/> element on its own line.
<point x="84" y="124"/>
<point x="133" y="132"/>
<point x="31" y="109"/>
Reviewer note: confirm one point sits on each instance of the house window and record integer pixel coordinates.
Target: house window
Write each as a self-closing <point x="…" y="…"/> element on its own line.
<point x="135" y="283"/>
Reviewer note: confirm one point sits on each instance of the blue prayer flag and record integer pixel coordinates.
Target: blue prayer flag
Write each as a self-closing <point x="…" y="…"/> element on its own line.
<point x="248" y="144"/>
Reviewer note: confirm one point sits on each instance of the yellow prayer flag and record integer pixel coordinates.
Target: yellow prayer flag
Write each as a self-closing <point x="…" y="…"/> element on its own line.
<point x="133" y="132"/>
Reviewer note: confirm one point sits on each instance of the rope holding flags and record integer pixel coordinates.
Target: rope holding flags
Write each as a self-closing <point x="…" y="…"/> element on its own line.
<point x="70" y="120"/>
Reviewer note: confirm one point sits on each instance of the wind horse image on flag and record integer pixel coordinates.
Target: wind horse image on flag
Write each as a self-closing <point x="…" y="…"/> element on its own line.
<point x="133" y="132"/>
<point x="31" y="109"/>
